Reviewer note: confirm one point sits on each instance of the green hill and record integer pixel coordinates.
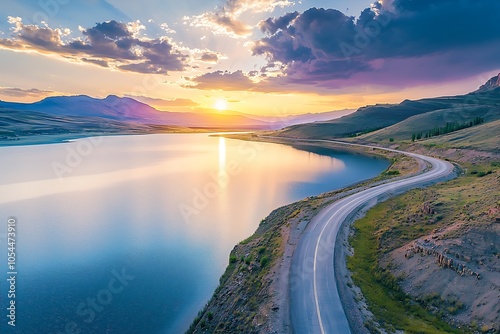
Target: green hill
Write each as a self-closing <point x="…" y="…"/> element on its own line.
<point x="437" y="111"/>
<point x="483" y="137"/>
<point x="425" y="122"/>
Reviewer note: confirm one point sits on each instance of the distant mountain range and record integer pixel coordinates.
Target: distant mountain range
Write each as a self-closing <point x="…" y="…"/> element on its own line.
<point x="385" y="121"/>
<point x="129" y="110"/>
<point x="122" y="115"/>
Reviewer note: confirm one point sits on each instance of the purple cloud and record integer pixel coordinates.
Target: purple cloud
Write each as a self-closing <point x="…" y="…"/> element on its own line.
<point x="108" y="44"/>
<point x="328" y="49"/>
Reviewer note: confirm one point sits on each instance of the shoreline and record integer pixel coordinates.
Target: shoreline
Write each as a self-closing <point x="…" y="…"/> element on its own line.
<point x="48" y="139"/>
<point x="274" y="301"/>
<point x="341" y="248"/>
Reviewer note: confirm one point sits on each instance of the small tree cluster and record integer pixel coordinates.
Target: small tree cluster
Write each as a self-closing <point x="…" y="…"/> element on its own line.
<point x="449" y="127"/>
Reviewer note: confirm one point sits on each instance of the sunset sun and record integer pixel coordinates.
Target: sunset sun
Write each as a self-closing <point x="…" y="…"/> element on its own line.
<point x="220" y="104"/>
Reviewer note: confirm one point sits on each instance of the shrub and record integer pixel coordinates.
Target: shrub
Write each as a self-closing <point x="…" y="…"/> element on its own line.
<point x="233" y="259"/>
<point x="264" y="261"/>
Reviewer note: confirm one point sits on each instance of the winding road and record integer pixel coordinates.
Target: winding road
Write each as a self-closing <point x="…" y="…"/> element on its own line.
<point x="315" y="302"/>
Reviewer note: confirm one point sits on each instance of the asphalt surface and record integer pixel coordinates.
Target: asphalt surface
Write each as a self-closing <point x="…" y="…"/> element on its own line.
<point x="315" y="303"/>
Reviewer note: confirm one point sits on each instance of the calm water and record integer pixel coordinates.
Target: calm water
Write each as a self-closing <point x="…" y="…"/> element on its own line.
<point x="131" y="234"/>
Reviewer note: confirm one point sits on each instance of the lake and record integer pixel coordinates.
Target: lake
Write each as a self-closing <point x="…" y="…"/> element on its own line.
<point x="130" y="234"/>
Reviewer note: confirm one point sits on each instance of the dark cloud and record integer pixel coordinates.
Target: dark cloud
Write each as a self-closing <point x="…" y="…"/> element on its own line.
<point x="19" y="92"/>
<point x="327" y="48"/>
<point x="222" y="80"/>
<point x="99" y="62"/>
<point x="209" y="57"/>
<point x="239" y="81"/>
<point x="106" y="44"/>
<point x="272" y="25"/>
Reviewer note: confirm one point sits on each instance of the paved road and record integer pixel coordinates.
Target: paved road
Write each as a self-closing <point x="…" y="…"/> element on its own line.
<point x="315" y="302"/>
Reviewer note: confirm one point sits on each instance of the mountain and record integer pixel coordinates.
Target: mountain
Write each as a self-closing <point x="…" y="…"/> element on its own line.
<point x="131" y="111"/>
<point x="397" y="120"/>
<point x="283" y="121"/>
<point x="490" y="85"/>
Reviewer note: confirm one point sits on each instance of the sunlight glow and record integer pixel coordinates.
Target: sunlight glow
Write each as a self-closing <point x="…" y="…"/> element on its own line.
<point x="222" y="154"/>
<point x="220" y="104"/>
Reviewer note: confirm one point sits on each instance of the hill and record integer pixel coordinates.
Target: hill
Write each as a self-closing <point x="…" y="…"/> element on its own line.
<point x="425" y="122"/>
<point x="483" y="137"/>
<point x="128" y="110"/>
<point x="409" y="115"/>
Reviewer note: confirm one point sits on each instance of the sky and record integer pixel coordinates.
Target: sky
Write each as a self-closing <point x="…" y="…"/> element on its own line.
<point x="261" y="57"/>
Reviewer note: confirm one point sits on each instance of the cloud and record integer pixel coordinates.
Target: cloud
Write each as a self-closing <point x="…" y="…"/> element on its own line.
<point x="252" y="81"/>
<point x="328" y="49"/>
<point x="161" y="103"/>
<point x="272" y="25"/>
<point x="107" y="44"/>
<point x="226" y="19"/>
<point x="222" y="80"/>
<point x="220" y="23"/>
<point x="19" y="92"/>
<point x="209" y="57"/>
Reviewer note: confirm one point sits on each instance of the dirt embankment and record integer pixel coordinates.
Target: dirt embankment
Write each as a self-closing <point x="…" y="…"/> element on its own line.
<point x="455" y="268"/>
<point x="443" y="243"/>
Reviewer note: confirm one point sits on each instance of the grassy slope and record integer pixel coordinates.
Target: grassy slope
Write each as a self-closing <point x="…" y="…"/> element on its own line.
<point x="16" y="123"/>
<point x="386" y="227"/>
<point x="392" y="307"/>
<point x="483" y="137"/>
<point x="371" y="118"/>
<point x="366" y="118"/>
<point x="404" y="130"/>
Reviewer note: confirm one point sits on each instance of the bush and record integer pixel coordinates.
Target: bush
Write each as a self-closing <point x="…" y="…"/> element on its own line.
<point x="233" y="259"/>
<point x="264" y="261"/>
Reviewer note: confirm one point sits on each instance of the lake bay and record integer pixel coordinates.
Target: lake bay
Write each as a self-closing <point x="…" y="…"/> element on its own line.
<point x="130" y="234"/>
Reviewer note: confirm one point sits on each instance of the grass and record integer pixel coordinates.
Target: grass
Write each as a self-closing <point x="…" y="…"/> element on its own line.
<point x="394" y="223"/>
<point x="393" y="309"/>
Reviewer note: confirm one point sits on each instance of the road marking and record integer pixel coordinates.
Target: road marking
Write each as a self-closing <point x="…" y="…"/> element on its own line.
<point x="361" y="198"/>
<point x="438" y="169"/>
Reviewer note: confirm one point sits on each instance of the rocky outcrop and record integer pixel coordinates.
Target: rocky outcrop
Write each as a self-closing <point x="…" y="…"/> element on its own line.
<point x="428" y="209"/>
<point x="443" y="259"/>
<point x="495" y="214"/>
<point x="491" y="84"/>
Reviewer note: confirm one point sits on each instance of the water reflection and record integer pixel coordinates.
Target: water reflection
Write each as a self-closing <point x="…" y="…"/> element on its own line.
<point x="222" y="154"/>
<point x="121" y="208"/>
